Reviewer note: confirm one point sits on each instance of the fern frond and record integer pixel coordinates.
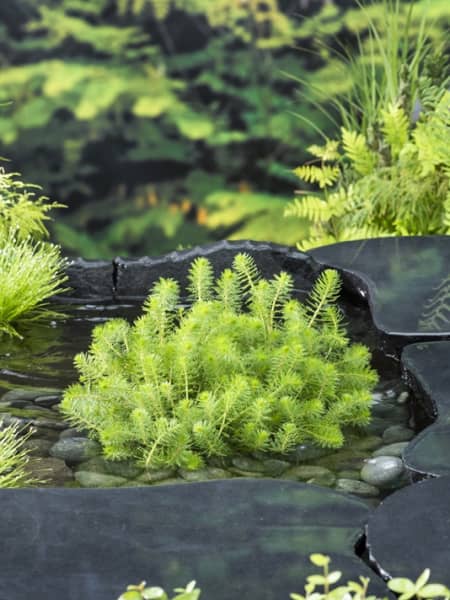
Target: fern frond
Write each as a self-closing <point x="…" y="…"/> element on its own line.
<point x="327" y="153"/>
<point x="395" y="128"/>
<point x="325" y="176"/>
<point x="356" y="149"/>
<point x="314" y="208"/>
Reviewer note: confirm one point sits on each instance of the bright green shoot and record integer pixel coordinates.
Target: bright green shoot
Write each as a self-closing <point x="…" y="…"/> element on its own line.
<point x="30" y="272"/>
<point x="245" y="368"/>
<point x="13" y="457"/>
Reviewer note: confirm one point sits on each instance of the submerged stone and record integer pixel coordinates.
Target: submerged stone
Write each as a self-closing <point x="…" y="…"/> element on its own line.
<point x="397" y="433"/>
<point x="75" y="449"/>
<point x="382" y="471"/>
<point x="359" y="488"/>
<point x="391" y="450"/>
<point x="98" y="480"/>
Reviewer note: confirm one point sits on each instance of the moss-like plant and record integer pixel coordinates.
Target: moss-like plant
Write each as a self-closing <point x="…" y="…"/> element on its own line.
<point x="30" y="272"/>
<point x="13" y="457"/>
<point x="21" y="209"/>
<point x="244" y="368"/>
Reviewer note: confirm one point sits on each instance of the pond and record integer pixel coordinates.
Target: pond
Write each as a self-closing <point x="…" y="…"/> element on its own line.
<point x="35" y="371"/>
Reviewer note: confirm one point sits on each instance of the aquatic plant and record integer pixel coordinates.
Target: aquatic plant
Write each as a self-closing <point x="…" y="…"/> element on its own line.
<point x="318" y="587"/>
<point x="22" y="211"/>
<point x="13" y="457"/>
<point x="246" y="367"/>
<point x="30" y="272"/>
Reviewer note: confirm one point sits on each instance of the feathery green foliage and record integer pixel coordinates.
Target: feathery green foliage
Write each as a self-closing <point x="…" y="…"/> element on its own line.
<point x="246" y="367"/>
<point x="166" y="122"/>
<point x="400" y="186"/>
<point x="13" y="457"/>
<point x="30" y="272"/>
<point x="21" y="211"/>
<point x="389" y="172"/>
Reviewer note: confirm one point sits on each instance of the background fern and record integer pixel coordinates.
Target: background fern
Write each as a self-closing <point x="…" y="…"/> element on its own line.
<point x="244" y="368"/>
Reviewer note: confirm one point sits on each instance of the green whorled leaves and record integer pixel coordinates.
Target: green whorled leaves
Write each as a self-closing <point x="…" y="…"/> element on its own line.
<point x="246" y="367"/>
<point x="30" y="272"/>
<point x="13" y="457"/>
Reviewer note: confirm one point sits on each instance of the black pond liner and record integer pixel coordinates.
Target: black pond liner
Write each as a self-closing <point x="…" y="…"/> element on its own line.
<point x="238" y="538"/>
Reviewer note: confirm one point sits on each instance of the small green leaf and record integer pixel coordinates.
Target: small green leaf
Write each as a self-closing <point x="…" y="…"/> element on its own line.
<point x="317" y="579"/>
<point x="154" y="593"/>
<point x="297" y="597"/>
<point x="131" y="595"/>
<point x="320" y="560"/>
<point x="423" y="579"/>
<point x="334" y="577"/>
<point x="401" y="585"/>
<point x="433" y="590"/>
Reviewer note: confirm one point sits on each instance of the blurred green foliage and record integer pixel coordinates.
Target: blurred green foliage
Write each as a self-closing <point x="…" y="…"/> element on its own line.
<point x="163" y="123"/>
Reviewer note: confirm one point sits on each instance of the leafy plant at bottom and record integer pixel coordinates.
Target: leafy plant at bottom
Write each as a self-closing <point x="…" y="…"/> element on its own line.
<point x="244" y="368"/>
<point x="13" y="457"/>
<point x="30" y="272"/>
<point x="318" y="587"/>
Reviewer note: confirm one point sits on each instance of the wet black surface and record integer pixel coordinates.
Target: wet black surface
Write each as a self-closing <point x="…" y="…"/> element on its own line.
<point x="410" y="531"/>
<point x="238" y="539"/>
<point x="405" y="280"/>
<point x="428" y="366"/>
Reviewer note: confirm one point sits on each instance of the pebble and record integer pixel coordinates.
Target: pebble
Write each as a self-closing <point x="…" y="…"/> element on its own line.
<point x="38" y="447"/>
<point x="359" y="488"/>
<point x="382" y="471"/>
<point x="153" y="476"/>
<point x="306" y="453"/>
<point x="397" y="433"/>
<point x="98" y="480"/>
<point x="391" y="450"/>
<point x="206" y="474"/>
<point x="309" y="473"/>
<point x="119" y="468"/>
<point x="366" y="443"/>
<point x="75" y="449"/>
<point x="47" y="401"/>
<point x="403" y="398"/>
<point x="50" y="472"/>
<point x="72" y="432"/>
<point x="349" y="474"/>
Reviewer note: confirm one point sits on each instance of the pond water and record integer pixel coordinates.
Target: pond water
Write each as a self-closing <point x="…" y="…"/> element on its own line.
<point x="35" y="370"/>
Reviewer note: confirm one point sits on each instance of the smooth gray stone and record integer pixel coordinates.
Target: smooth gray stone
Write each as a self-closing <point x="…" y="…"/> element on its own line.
<point x="119" y="468"/>
<point x="397" y="433"/>
<point x="75" y="449"/>
<point x="311" y="474"/>
<point x="72" y="432"/>
<point x="153" y="476"/>
<point x="38" y="447"/>
<point x="382" y="471"/>
<point x="209" y="473"/>
<point x="98" y="480"/>
<point x="391" y="450"/>
<point x="403" y="398"/>
<point x="50" y="472"/>
<point x="47" y="401"/>
<point x="307" y="453"/>
<point x="359" y="488"/>
<point x="26" y="395"/>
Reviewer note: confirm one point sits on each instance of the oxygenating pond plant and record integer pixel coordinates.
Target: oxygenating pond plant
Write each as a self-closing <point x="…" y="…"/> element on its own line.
<point x="244" y="368"/>
<point x="31" y="270"/>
